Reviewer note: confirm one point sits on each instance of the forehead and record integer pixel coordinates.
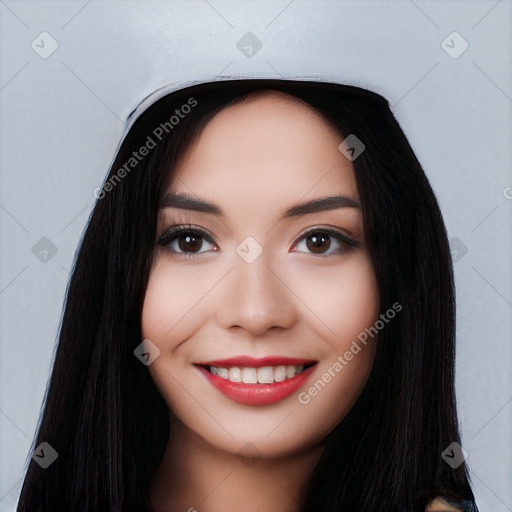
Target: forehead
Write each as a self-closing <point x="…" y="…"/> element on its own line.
<point x="272" y="148"/>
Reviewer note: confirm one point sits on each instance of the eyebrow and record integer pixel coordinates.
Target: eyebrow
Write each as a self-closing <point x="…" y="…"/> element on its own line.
<point x="187" y="202"/>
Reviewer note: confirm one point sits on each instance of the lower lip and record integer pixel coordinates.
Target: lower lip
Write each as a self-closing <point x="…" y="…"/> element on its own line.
<point x="257" y="394"/>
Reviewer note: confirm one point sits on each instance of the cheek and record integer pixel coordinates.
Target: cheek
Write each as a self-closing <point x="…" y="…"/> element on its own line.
<point x="343" y="299"/>
<point x="156" y="320"/>
<point x="174" y="309"/>
<point x="166" y="321"/>
<point x="173" y="302"/>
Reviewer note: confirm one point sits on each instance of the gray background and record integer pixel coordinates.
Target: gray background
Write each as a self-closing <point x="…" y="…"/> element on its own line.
<point x="62" y="117"/>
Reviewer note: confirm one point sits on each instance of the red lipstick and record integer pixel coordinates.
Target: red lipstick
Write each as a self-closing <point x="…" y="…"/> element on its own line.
<point x="257" y="393"/>
<point x="256" y="362"/>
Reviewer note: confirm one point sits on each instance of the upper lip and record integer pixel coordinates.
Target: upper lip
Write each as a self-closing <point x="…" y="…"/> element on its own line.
<point x="256" y="362"/>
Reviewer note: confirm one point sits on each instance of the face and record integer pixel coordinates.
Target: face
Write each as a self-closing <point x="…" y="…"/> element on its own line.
<point x="258" y="293"/>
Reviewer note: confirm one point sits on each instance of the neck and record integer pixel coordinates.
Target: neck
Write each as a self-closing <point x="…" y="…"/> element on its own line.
<point x="196" y="476"/>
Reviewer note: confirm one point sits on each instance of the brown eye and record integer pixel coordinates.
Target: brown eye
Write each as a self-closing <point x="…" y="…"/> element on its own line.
<point x="184" y="241"/>
<point x="325" y="242"/>
<point x="318" y="243"/>
<point x="189" y="242"/>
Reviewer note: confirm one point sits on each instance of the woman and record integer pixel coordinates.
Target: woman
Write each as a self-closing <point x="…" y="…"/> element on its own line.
<point x="260" y="316"/>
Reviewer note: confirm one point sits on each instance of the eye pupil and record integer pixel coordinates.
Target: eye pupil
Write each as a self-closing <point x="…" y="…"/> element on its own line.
<point x="189" y="242"/>
<point x="317" y="242"/>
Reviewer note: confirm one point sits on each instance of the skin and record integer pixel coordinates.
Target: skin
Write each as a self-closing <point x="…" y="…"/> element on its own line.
<point x="254" y="161"/>
<point x="441" y="505"/>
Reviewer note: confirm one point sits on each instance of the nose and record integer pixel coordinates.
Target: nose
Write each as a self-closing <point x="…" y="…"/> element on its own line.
<point x="256" y="298"/>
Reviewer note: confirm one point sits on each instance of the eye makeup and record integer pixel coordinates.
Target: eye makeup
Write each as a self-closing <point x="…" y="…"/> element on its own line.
<point x="195" y="237"/>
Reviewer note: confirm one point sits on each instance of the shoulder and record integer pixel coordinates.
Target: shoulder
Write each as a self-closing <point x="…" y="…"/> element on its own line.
<point x="440" y="504"/>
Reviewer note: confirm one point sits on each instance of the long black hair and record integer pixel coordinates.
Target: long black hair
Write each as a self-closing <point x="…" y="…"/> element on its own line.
<point x="102" y="412"/>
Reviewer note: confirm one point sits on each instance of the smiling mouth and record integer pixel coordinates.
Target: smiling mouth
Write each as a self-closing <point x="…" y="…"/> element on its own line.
<point x="257" y="380"/>
<point x="261" y="375"/>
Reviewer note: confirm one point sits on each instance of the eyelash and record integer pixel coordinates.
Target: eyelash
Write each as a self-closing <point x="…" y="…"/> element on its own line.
<point x="173" y="233"/>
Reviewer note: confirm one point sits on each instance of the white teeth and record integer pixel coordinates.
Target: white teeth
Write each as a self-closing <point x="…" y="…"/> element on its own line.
<point x="263" y="375"/>
<point x="279" y="373"/>
<point x="249" y="375"/>
<point x="290" y="371"/>
<point x="235" y="375"/>
<point x="222" y="372"/>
